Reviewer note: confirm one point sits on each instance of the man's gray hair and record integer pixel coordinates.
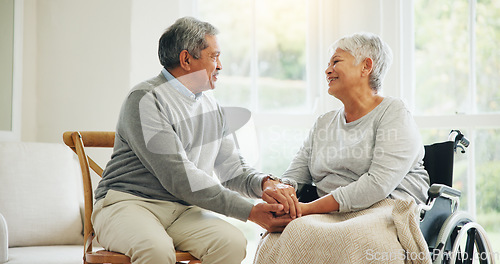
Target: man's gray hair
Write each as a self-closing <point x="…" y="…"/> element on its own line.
<point x="186" y="33"/>
<point x="367" y="45"/>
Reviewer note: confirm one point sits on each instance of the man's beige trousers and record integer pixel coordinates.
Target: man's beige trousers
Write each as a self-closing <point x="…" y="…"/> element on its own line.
<point x="150" y="230"/>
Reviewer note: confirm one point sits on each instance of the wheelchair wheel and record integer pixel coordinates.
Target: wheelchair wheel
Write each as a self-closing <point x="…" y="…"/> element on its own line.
<point x="461" y="240"/>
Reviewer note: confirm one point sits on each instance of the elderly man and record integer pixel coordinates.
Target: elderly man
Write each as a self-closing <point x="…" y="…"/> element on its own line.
<point x="173" y="163"/>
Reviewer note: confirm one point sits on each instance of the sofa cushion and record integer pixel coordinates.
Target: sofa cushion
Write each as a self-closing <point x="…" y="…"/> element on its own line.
<point x="46" y="254"/>
<point x="40" y="194"/>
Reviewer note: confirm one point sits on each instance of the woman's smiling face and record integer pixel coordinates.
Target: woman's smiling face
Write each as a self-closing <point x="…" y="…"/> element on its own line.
<point x="342" y="72"/>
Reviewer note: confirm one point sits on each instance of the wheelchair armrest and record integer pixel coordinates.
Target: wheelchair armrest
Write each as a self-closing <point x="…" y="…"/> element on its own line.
<point x="4" y="241"/>
<point x="306" y="193"/>
<point x="437" y="190"/>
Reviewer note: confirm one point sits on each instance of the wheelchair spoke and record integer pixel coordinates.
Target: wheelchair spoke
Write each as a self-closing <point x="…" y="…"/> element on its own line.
<point x="469" y="247"/>
<point x="460" y="259"/>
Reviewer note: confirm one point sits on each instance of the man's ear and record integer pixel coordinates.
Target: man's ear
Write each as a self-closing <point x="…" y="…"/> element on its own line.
<point x="184" y="60"/>
<point x="367" y="67"/>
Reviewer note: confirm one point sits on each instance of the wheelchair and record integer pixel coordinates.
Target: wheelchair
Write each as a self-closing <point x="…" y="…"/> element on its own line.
<point x="452" y="235"/>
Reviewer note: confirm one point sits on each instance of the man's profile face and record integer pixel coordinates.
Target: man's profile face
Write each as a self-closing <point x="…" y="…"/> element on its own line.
<point x="207" y="67"/>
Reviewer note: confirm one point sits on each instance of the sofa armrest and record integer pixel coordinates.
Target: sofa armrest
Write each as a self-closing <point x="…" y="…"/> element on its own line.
<point x="4" y="240"/>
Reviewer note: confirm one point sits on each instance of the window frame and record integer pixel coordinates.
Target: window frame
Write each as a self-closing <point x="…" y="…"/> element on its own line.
<point x="14" y="134"/>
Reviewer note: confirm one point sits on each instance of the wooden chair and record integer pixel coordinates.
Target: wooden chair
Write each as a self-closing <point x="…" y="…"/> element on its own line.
<point x="78" y="141"/>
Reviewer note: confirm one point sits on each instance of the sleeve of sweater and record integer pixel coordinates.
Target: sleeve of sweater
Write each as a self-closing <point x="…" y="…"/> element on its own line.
<point x="396" y="147"/>
<point x="298" y="171"/>
<point x="147" y="130"/>
<point x="235" y="173"/>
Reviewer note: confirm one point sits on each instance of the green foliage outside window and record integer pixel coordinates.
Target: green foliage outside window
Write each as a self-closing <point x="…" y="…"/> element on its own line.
<point x="263" y="53"/>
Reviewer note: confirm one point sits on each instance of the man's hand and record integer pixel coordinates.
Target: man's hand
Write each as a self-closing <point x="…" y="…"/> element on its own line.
<point x="275" y="192"/>
<point x="263" y="215"/>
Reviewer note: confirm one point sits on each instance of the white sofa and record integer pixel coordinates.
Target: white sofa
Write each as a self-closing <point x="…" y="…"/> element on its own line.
<point x="41" y="204"/>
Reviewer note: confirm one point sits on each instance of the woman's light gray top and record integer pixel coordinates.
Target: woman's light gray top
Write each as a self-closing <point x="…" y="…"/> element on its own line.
<point x="364" y="161"/>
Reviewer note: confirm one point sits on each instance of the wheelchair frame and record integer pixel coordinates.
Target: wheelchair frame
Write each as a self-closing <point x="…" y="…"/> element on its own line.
<point x="445" y="227"/>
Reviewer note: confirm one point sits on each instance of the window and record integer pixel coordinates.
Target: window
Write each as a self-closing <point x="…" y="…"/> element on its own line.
<point x="457" y="86"/>
<point x="264" y="65"/>
<point x="266" y="48"/>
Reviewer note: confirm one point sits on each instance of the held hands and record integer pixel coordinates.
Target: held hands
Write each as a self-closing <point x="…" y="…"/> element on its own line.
<point x="282" y="206"/>
<point x="263" y="214"/>
<point x="275" y="192"/>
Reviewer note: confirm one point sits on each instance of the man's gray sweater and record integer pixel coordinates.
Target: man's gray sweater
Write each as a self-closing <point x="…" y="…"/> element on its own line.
<point x="174" y="147"/>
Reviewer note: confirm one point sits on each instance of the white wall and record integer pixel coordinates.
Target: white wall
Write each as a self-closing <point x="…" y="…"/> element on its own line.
<point x="83" y="64"/>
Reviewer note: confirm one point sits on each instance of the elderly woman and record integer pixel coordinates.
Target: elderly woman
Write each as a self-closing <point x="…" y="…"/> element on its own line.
<point x="368" y="150"/>
<point x="357" y="156"/>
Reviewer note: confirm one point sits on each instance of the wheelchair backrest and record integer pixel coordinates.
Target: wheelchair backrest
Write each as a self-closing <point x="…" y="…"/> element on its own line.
<point x="438" y="161"/>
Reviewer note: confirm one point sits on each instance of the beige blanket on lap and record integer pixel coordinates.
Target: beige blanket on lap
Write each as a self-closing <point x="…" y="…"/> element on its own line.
<point x="387" y="232"/>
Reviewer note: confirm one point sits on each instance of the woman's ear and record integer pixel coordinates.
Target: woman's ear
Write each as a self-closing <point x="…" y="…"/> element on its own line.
<point x="184" y="60"/>
<point x="367" y="67"/>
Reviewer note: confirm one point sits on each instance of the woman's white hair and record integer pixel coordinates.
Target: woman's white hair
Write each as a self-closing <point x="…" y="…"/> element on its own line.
<point x="367" y="45"/>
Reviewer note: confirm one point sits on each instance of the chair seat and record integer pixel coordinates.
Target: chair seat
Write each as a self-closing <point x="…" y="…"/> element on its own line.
<point x="183" y="256"/>
<point x="104" y="255"/>
<point x="101" y="256"/>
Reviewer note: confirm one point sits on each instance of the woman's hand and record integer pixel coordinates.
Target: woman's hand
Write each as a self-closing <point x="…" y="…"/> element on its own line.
<point x="325" y="204"/>
<point x="276" y="192"/>
<point x="305" y="208"/>
<point x="322" y="205"/>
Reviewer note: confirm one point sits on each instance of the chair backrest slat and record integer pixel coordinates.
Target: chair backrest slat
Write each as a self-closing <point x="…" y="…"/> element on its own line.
<point x="78" y="141"/>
